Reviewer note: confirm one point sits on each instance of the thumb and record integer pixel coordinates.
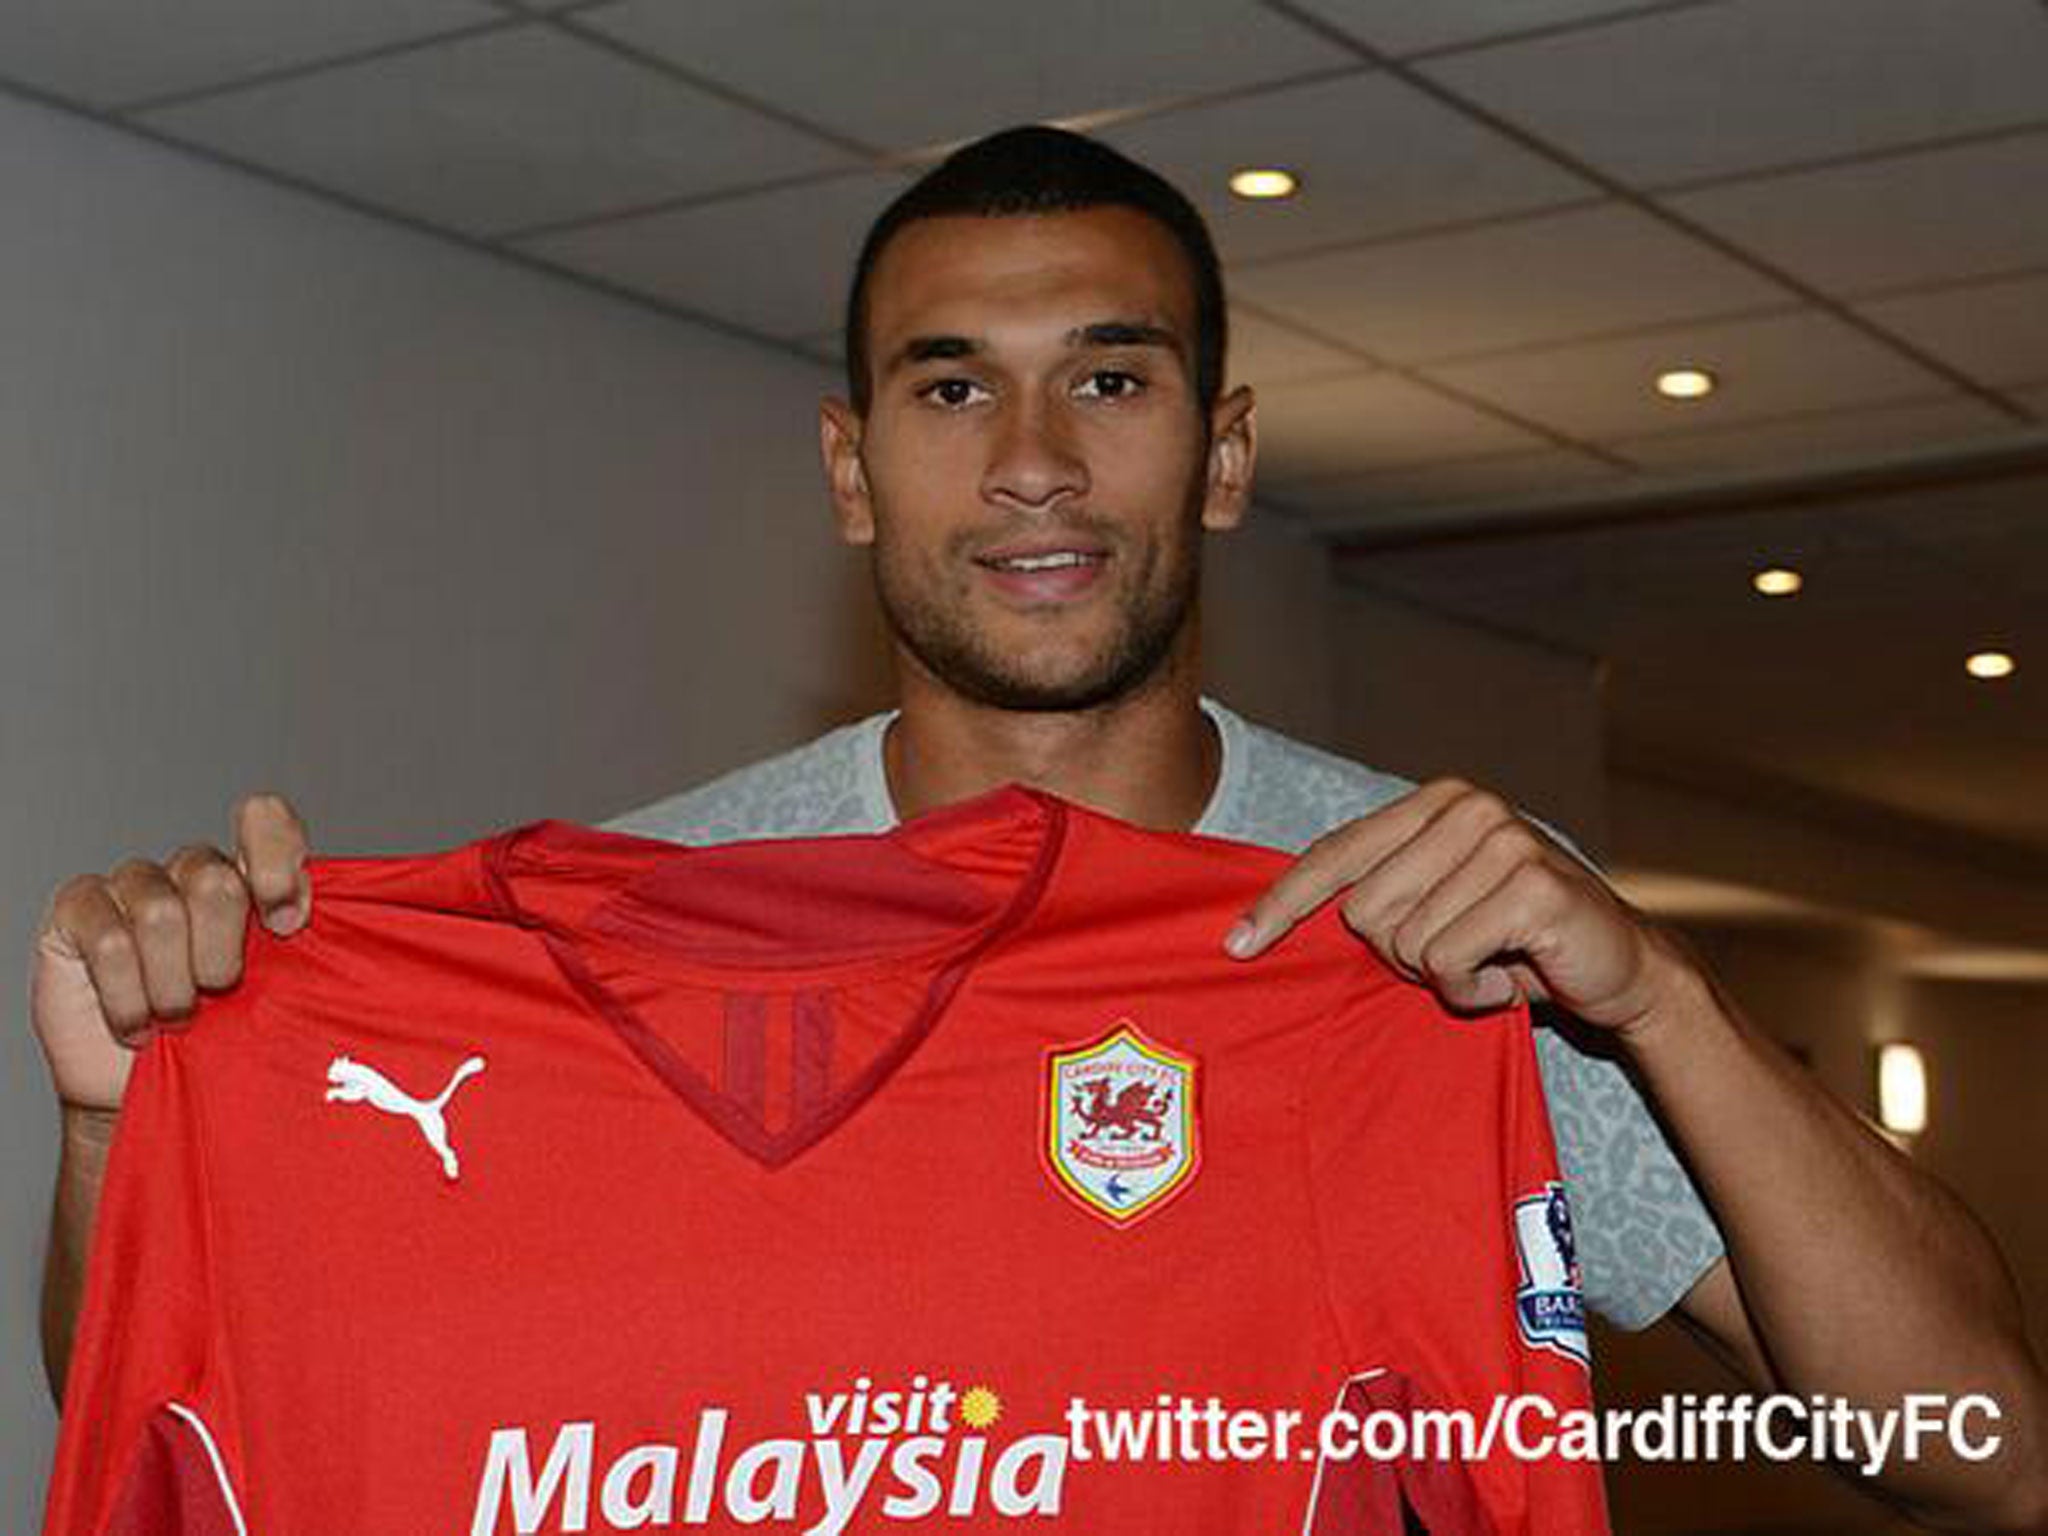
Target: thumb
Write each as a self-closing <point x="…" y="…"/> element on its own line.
<point x="282" y="896"/>
<point x="292" y="908"/>
<point x="270" y="851"/>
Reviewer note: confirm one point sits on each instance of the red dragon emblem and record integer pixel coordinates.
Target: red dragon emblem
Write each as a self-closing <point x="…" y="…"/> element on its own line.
<point x="1136" y="1110"/>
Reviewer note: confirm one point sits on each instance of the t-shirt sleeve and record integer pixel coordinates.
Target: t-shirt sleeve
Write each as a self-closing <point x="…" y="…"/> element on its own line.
<point x="1645" y="1235"/>
<point x="140" y="1450"/>
<point x="1450" y="1255"/>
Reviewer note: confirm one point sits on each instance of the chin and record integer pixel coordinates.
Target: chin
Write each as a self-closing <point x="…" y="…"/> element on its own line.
<point x="1051" y="663"/>
<point x="1050" y="687"/>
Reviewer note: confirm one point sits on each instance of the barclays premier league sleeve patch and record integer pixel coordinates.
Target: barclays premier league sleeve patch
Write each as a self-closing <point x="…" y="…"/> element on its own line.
<point x="1550" y="1309"/>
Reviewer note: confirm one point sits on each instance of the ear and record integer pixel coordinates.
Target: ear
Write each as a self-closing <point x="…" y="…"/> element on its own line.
<point x="1233" y="450"/>
<point x="839" y="436"/>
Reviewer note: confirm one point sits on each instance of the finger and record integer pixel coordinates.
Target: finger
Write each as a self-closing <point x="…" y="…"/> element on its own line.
<point x="1333" y="861"/>
<point x="217" y="906"/>
<point x="1468" y="963"/>
<point x="270" y="850"/>
<point x="86" y="922"/>
<point x="1385" y="898"/>
<point x="1496" y="855"/>
<point x="155" y="914"/>
<point x="1324" y="869"/>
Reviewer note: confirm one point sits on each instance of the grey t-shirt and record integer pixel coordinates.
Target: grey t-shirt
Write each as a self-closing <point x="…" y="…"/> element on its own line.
<point x="1644" y="1237"/>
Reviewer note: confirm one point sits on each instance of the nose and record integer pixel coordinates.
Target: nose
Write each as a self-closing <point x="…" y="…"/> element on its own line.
<point x="1034" y="462"/>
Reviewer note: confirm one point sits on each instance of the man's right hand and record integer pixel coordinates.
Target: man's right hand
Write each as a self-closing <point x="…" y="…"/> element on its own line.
<point x="124" y="954"/>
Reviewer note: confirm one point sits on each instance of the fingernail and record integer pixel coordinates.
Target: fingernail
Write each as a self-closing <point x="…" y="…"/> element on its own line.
<point x="1239" y="940"/>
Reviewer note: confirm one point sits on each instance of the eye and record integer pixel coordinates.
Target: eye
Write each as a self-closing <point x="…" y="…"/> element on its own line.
<point x="953" y="394"/>
<point x="1110" y="384"/>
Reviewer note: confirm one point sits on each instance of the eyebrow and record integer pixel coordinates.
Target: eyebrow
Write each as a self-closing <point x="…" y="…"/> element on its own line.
<point x="1125" y="333"/>
<point x="1101" y="333"/>
<point x="932" y="349"/>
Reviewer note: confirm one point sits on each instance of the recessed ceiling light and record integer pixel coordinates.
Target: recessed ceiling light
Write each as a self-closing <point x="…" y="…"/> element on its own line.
<point x="1686" y="383"/>
<point x="1777" y="581"/>
<point x="1991" y="664"/>
<point x="1263" y="182"/>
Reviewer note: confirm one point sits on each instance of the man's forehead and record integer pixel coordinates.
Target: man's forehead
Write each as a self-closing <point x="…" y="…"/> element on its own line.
<point x="1037" y="274"/>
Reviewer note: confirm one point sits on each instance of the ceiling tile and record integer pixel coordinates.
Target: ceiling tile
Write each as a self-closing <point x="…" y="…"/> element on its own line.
<point x="1506" y="285"/>
<point x="1352" y="500"/>
<point x="1375" y="157"/>
<point x="1408" y="26"/>
<point x="947" y="78"/>
<point x="1656" y="100"/>
<point x="1769" y="367"/>
<point x="1814" y="441"/>
<point x="1354" y="426"/>
<point x="105" y="52"/>
<point x="774" y="262"/>
<point x="497" y="132"/>
<point x="1995" y="332"/>
<point x="1264" y="353"/>
<point x="1944" y="214"/>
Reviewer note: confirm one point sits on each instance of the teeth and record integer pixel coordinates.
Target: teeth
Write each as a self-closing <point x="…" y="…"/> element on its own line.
<point x="1052" y="562"/>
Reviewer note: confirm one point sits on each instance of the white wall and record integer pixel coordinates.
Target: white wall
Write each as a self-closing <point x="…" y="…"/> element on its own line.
<point x="291" y="497"/>
<point x="1268" y="602"/>
<point x="1424" y="695"/>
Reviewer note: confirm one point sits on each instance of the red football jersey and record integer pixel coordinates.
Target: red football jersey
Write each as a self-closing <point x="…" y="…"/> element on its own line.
<point x="574" y="1182"/>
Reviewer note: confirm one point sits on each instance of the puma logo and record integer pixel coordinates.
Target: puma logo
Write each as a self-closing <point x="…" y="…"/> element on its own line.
<point x="354" y="1083"/>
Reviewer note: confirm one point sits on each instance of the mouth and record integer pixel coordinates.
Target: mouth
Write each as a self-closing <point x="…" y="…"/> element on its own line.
<point x="1041" y="576"/>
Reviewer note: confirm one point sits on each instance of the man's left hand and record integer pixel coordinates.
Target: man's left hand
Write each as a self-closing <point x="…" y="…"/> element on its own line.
<point x="1455" y="890"/>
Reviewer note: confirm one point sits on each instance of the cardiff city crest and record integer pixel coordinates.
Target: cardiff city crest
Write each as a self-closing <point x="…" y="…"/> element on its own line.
<point x="1120" y="1137"/>
<point x="1550" y="1310"/>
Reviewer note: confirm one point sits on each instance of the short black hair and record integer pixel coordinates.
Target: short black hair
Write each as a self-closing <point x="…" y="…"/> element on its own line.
<point x="1038" y="169"/>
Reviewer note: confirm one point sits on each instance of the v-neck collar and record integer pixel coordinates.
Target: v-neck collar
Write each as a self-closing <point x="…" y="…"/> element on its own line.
<point x="817" y="1108"/>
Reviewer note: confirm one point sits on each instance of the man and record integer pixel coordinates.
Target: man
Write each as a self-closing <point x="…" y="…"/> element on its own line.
<point x="1035" y="444"/>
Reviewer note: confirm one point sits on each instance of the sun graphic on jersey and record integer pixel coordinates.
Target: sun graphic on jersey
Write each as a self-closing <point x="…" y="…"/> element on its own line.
<point x="980" y="1407"/>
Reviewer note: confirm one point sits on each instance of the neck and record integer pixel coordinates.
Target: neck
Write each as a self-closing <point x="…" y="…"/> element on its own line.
<point x="1150" y="757"/>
